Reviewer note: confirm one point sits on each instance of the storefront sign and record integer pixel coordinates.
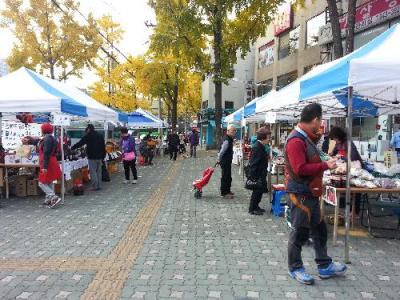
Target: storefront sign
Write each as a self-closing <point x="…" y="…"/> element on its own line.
<point x="266" y="55"/>
<point x="283" y="19"/>
<point x="369" y="14"/>
<point x="372" y="13"/>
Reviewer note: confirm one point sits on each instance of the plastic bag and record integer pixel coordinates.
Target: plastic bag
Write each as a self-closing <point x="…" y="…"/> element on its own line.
<point x="385" y="183"/>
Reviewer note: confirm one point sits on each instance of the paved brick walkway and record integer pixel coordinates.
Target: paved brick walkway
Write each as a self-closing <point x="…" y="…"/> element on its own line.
<point x="155" y="241"/>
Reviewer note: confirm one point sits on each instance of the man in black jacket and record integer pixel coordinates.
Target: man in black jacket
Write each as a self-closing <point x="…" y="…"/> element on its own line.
<point x="173" y="144"/>
<point x="225" y="156"/>
<point x="95" y="151"/>
<point x="258" y="170"/>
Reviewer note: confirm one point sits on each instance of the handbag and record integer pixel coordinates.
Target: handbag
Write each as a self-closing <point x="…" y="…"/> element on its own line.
<point x="105" y="176"/>
<point x="252" y="184"/>
<point x="129" y="156"/>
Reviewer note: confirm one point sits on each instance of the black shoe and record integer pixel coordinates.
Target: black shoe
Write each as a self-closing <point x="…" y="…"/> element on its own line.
<point x="261" y="209"/>
<point x="256" y="212"/>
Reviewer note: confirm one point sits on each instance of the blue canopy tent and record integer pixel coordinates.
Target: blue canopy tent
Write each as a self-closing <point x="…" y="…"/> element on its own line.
<point x="139" y="120"/>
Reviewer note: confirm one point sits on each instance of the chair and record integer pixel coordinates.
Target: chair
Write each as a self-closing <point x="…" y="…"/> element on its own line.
<point x="278" y="207"/>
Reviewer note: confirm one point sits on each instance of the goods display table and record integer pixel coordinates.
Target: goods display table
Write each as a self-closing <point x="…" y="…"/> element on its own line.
<point x="353" y="190"/>
<point x="69" y="167"/>
<point x="7" y="167"/>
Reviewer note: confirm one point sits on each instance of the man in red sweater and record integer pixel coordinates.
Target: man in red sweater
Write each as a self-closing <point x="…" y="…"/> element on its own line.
<point x="303" y="180"/>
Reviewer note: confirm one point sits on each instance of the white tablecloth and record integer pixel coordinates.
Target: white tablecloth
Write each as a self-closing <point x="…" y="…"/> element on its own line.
<point x="70" y="166"/>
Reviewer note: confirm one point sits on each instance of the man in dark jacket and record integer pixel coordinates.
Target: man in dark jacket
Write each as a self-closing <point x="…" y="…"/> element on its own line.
<point x="225" y="156"/>
<point x="95" y="151"/>
<point x="303" y="181"/>
<point x="258" y="170"/>
<point x="173" y="144"/>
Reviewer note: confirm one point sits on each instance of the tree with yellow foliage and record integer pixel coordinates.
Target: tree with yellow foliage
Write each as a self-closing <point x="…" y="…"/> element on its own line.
<point x="49" y="40"/>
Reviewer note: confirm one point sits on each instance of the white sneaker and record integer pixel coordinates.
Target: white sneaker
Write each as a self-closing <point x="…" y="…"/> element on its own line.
<point x="126" y="181"/>
<point x="134" y="181"/>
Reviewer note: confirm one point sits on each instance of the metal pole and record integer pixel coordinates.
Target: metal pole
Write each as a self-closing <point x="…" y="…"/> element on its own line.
<point x="161" y="129"/>
<point x="1" y="128"/>
<point x="62" y="166"/>
<point x="348" y="192"/>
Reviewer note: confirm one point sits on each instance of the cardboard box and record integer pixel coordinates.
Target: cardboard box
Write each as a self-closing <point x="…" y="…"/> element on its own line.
<point x="1" y="177"/>
<point x="20" y="190"/>
<point x="21" y="180"/>
<point x="68" y="185"/>
<point x="32" y="188"/>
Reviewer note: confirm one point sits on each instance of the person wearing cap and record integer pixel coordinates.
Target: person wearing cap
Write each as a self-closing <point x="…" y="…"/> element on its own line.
<point x="49" y="169"/>
<point x="96" y="152"/>
<point x="225" y="156"/>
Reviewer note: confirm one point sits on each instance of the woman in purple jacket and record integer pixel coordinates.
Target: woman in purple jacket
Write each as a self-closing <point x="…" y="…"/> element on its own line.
<point x="127" y="145"/>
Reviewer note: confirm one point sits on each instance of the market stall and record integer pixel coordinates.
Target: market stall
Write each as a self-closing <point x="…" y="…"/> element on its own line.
<point x="38" y="94"/>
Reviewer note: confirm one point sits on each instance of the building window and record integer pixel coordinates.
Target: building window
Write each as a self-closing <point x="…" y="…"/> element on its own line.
<point x="312" y="29"/>
<point x="204" y="105"/>
<point x="286" y="79"/>
<point x="229" y="105"/>
<point x="289" y="42"/>
<point x="264" y="87"/>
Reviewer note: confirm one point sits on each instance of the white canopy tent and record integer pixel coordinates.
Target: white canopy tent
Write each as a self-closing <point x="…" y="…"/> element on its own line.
<point x="27" y="91"/>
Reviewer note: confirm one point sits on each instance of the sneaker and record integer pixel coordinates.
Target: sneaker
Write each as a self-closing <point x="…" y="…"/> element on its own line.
<point x="126" y="181"/>
<point x="261" y="210"/>
<point x="47" y="201"/>
<point x="55" y="202"/>
<point x="134" y="181"/>
<point x="227" y="196"/>
<point x="302" y="276"/>
<point x="232" y="194"/>
<point x="334" y="269"/>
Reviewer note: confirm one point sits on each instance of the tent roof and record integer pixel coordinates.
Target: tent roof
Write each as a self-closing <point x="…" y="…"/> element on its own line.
<point x="25" y="90"/>
<point x="160" y="123"/>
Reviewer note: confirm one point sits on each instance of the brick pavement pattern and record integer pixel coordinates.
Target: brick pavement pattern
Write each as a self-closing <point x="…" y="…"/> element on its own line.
<point x="154" y="240"/>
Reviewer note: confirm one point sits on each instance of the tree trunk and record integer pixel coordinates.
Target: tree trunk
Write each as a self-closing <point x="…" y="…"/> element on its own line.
<point x="174" y="109"/>
<point x="218" y="73"/>
<point x="336" y="33"/>
<point x="351" y="21"/>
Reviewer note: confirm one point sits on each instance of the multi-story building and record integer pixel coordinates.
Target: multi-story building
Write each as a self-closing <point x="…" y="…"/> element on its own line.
<point x="301" y="38"/>
<point x="3" y="67"/>
<point x="235" y="94"/>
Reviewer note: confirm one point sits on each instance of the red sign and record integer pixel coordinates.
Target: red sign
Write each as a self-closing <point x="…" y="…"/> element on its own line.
<point x="372" y="12"/>
<point x="283" y="19"/>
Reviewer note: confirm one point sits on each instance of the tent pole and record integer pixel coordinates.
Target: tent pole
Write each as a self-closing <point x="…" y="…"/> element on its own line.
<point x="62" y="166"/>
<point x="1" y="128"/>
<point x="348" y="166"/>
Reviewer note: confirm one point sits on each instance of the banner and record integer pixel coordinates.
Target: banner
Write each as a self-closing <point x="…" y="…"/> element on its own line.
<point x="13" y="132"/>
<point x="367" y="15"/>
<point x="331" y="196"/>
<point x="266" y="55"/>
<point x="283" y="19"/>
